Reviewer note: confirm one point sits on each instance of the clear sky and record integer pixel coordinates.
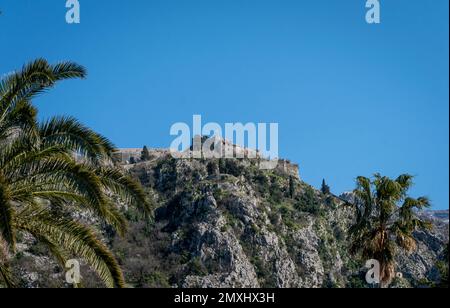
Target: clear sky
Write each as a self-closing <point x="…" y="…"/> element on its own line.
<point x="350" y="98"/>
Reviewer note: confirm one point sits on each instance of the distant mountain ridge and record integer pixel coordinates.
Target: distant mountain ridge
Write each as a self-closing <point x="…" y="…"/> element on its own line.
<point x="440" y="215"/>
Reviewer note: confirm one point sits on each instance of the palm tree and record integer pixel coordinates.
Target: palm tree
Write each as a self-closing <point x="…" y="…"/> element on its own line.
<point x="57" y="164"/>
<point x="385" y="221"/>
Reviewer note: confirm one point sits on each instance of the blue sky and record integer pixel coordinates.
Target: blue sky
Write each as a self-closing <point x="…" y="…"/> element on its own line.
<point x="350" y="98"/>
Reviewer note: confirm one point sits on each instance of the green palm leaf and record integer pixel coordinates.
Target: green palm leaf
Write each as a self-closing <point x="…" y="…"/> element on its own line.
<point x="50" y="171"/>
<point x="75" y="238"/>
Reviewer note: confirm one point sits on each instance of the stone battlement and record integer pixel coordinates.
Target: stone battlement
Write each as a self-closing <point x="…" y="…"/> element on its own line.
<point x="287" y="167"/>
<point x="128" y="156"/>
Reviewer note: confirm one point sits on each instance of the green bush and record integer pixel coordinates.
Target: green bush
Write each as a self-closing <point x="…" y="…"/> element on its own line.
<point x="310" y="203"/>
<point x="157" y="280"/>
<point x="196" y="267"/>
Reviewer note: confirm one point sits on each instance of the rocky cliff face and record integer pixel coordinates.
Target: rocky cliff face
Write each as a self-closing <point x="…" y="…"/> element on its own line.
<point x="229" y="224"/>
<point x="226" y="223"/>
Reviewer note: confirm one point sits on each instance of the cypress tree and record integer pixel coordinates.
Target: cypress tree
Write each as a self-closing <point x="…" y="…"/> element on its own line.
<point x="145" y="154"/>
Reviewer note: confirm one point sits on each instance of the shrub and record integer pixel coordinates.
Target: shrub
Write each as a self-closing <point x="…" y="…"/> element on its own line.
<point x="310" y="203"/>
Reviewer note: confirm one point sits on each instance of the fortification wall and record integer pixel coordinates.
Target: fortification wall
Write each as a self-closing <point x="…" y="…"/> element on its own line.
<point x="125" y="156"/>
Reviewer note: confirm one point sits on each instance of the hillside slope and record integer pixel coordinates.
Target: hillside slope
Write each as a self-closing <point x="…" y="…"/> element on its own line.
<point x="226" y="223"/>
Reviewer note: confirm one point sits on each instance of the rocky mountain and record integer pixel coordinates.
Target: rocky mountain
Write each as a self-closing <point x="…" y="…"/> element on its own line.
<point x="440" y="216"/>
<point x="226" y="223"/>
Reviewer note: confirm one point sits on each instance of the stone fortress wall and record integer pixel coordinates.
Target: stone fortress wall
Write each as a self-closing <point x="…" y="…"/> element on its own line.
<point x="133" y="155"/>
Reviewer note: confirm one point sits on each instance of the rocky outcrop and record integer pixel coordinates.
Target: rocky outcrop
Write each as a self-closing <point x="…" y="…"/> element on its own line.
<point x="244" y="227"/>
<point x="226" y="223"/>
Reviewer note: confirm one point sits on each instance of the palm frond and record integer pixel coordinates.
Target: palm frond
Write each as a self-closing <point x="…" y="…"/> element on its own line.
<point x="405" y="181"/>
<point x="68" y="132"/>
<point x="75" y="238"/>
<point x="34" y="78"/>
<point x="61" y="180"/>
<point x="124" y="187"/>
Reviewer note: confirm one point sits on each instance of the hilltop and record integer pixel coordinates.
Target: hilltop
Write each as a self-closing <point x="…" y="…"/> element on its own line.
<point x="226" y="223"/>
